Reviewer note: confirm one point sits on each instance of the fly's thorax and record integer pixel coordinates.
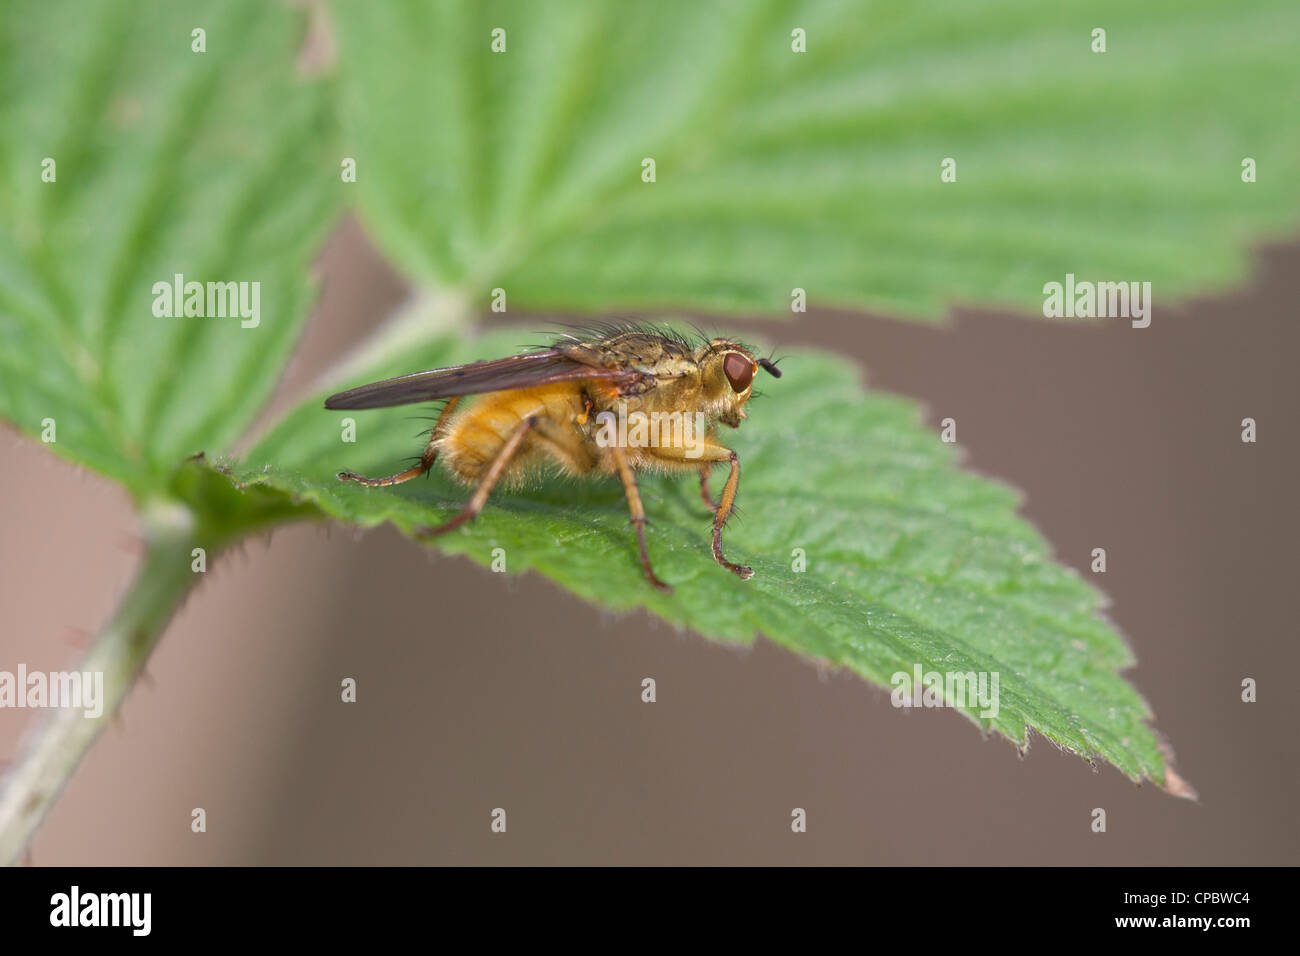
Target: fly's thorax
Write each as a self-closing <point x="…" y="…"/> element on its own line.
<point x="677" y="394"/>
<point x="632" y="349"/>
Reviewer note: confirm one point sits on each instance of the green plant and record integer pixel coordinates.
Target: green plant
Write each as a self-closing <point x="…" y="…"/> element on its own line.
<point x="524" y="170"/>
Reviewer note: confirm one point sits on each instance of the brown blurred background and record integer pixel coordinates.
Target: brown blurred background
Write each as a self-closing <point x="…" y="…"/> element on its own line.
<point x="477" y="691"/>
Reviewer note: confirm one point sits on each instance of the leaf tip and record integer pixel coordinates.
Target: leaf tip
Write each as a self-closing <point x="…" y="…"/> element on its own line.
<point x="1173" y="784"/>
<point x="1176" y="786"/>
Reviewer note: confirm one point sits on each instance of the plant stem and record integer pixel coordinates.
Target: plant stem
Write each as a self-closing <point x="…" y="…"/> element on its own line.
<point x="60" y="739"/>
<point x="219" y="515"/>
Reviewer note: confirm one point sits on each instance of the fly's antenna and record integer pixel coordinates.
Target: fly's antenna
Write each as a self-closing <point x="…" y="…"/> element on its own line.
<point x="770" y="367"/>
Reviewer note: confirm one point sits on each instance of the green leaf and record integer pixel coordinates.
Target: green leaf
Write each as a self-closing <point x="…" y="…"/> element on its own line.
<point x="217" y="165"/>
<point x="821" y="170"/>
<point x="910" y="561"/>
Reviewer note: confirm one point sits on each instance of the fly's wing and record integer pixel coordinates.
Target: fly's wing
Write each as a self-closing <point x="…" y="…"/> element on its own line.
<point x="519" y="371"/>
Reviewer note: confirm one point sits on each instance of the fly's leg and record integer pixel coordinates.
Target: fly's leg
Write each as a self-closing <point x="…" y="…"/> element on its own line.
<point x="711" y="436"/>
<point x="712" y="453"/>
<point x="490" y="478"/>
<point x="426" y="460"/>
<point x="720" y="519"/>
<point x="704" y="488"/>
<point x="638" y="515"/>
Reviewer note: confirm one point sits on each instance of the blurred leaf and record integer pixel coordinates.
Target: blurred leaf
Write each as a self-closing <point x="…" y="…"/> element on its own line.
<point x="219" y="166"/>
<point x="909" y="560"/>
<point x="820" y="170"/>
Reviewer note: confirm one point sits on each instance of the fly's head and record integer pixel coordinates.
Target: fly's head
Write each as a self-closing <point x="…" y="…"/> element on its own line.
<point x="727" y="371"/>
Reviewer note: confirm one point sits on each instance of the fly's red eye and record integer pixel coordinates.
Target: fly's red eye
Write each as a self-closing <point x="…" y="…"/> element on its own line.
<point x="739" y="370"/>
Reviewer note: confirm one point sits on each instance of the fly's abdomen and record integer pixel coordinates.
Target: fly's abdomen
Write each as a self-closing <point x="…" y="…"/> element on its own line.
<point x="476" y="436"/>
